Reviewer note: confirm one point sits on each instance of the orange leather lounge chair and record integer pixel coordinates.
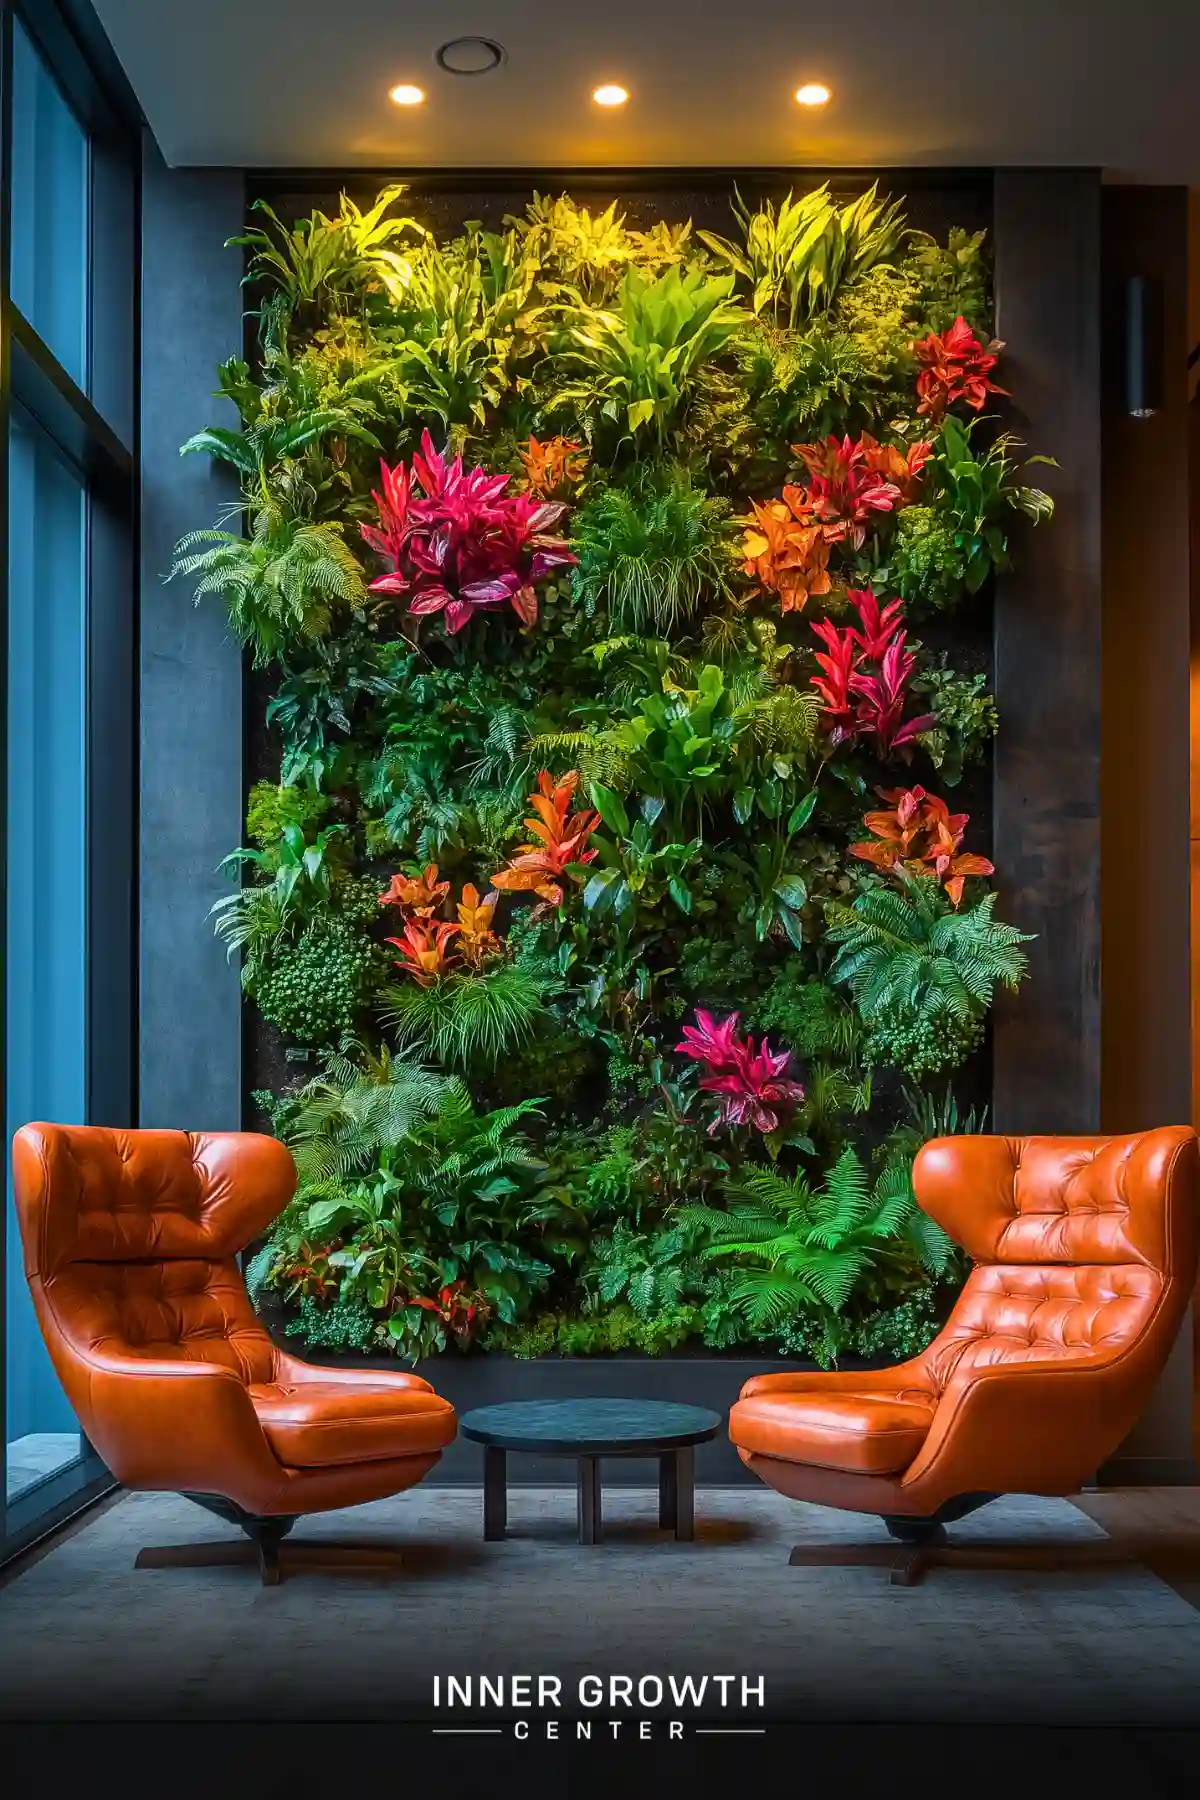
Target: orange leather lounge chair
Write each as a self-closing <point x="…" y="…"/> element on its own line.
<point x="1085" y="1254"/>
<point x="130" y="1239"/>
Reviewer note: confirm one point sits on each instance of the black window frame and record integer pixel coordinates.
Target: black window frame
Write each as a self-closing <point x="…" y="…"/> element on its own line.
<point x="95" y="433"/>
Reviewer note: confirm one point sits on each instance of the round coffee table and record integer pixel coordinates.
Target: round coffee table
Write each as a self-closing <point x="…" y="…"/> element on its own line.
<point x="589" y="1430"/>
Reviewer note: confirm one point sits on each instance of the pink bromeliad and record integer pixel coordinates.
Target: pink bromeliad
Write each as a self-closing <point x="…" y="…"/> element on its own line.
<point x="751" y="1085"/>
<point x="457" y="541"/>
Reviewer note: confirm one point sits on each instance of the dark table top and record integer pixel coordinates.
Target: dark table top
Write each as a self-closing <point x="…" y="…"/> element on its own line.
<point x="590" y="1427"/>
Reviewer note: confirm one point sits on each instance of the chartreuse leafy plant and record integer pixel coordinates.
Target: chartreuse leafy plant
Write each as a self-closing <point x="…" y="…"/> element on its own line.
<point x="603" y="890"/>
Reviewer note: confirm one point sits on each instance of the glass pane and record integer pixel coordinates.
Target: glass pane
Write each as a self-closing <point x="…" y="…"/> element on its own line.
<point x="50" y="166"/>
<point x="45" y="960"/>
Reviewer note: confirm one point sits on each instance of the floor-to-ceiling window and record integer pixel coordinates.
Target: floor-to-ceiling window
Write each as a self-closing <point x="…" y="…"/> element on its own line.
<point x="68" y="233"/>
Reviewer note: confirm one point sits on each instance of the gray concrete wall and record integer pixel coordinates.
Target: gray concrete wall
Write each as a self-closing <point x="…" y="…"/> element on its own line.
<point x="191" y="668"/>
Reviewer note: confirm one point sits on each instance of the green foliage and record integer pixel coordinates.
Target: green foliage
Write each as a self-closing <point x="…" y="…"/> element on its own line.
<point x="465" y="1020"/>
<point x="650" y="1271"/>
<point x="516" y="1153"/>
<point x="283" y="586"/>
<point x="981" y="495"/>
<point x="799" y="255"/>
<point x="640" y="361"/>
<point x="316" y="990"/>
<point x="341" y="1325"/>
<point x="967" y="719"/>
<point x="272" y="808"/>
<point x="922" y="974"/>
<point x="927" y="566"/>
<point x="800" y="1248"/>
<point x="324" y="259"/>
<point x="652" y="558"/>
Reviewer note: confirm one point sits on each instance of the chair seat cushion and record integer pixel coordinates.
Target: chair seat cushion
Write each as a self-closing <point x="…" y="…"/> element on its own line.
<point x="314" y="1424"/>
<point x="861" y="1433"/>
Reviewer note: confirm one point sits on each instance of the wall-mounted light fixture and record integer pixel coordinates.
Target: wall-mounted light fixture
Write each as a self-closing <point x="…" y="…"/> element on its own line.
<point x="1143" y="346"/>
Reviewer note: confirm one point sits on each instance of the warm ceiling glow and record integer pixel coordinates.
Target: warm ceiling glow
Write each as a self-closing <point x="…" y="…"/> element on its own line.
<point x="813" y="93"/>
<point x="610" y="95"/>
<point x="407" y="95"/>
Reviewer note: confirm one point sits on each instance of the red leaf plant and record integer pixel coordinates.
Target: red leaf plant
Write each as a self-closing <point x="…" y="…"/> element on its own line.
<point x="422" y="951"/>
<point x="458" y="542"/>
<point x="903" y="467"/>
<point x="955" y="367"/>
<point x="865" y="675"/>
<point x="417" y="894"/>
<point x="751" y="1085"/>
<point x="459" y="1307"/>
<point x="844" y="492"/>
<point x="920" y="834"/>
<point x="561" y="835"/>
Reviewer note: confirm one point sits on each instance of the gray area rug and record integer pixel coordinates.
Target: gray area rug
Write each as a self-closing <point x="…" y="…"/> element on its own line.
<point x="84" y="1635"/>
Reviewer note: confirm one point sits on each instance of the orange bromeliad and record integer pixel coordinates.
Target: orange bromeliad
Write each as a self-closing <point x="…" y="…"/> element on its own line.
<point x="476" y="937"/>
<point x="787" y="556"/>
<point x="417" y="894"/>
<point x="920" y="833"/>
<point x="557" y="464"/>
<point x="561" y="835"/>
<point x="422" y="949"/>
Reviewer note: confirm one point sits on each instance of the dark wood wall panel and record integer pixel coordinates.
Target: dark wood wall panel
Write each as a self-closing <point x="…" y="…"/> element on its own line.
<point x="1048" y="656"/>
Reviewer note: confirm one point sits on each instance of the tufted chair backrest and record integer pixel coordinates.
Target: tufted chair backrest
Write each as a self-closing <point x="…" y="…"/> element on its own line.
<point x="130" y="1237"/>
<point x="1085" y="1248"/>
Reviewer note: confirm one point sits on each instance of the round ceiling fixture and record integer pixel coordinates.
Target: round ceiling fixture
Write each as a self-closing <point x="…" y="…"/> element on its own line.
<point x="610" y="94"/>
<point x="470" y="56"/>
<point x="407" y="95"/>
<point x="813" y="93"/>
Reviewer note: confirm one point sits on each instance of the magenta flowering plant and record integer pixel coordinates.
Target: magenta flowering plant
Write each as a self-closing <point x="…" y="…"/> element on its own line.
<point x="458" y="541"/>
<point x="751" y="1084"/>
<point x="865" y="674"/>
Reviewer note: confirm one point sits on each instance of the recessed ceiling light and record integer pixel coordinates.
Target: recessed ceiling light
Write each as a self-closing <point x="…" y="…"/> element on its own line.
<point x="470" y="56"/>
<point x="611" y="94"/>
<point x="407" y="95"/>
<point x="813" y="93"/>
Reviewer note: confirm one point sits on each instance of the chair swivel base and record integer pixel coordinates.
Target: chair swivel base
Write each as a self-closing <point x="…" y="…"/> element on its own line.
<point x="261" y="1548"/>
<point x="923" y="1544"/>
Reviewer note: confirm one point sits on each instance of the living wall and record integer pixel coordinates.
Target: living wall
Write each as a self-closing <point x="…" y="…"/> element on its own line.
<point x="609" y="893"/>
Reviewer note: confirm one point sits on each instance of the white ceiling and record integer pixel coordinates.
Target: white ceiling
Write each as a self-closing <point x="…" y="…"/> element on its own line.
<point x="304" y="83"/>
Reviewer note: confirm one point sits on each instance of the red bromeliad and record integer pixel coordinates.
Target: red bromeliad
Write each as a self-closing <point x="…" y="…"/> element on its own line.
<point x="865" y="675"/>
<point x="458" y="541"/>
<point x="844" y="491"/>
<point x="751" y="1085"/>
<point x="422" y="949"/>
<point x="955" y="367"/>
<point x="920" y="833"/>
<point x="561" y="836"/>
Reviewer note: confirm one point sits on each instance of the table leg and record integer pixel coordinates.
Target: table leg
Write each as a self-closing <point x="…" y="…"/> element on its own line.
<point x="685" y="1494"/>
<point x="495" y="1494"/>
<point x="590" y="1529"/>
<point x="668" y="1492"/>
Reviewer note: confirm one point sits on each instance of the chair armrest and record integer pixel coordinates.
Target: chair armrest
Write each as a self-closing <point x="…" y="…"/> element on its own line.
<point x="839" y="1381"/>
<point x="297" y="1373"/>
<point x="1033" y="1427"/>
<point x="181" y="1426"/>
